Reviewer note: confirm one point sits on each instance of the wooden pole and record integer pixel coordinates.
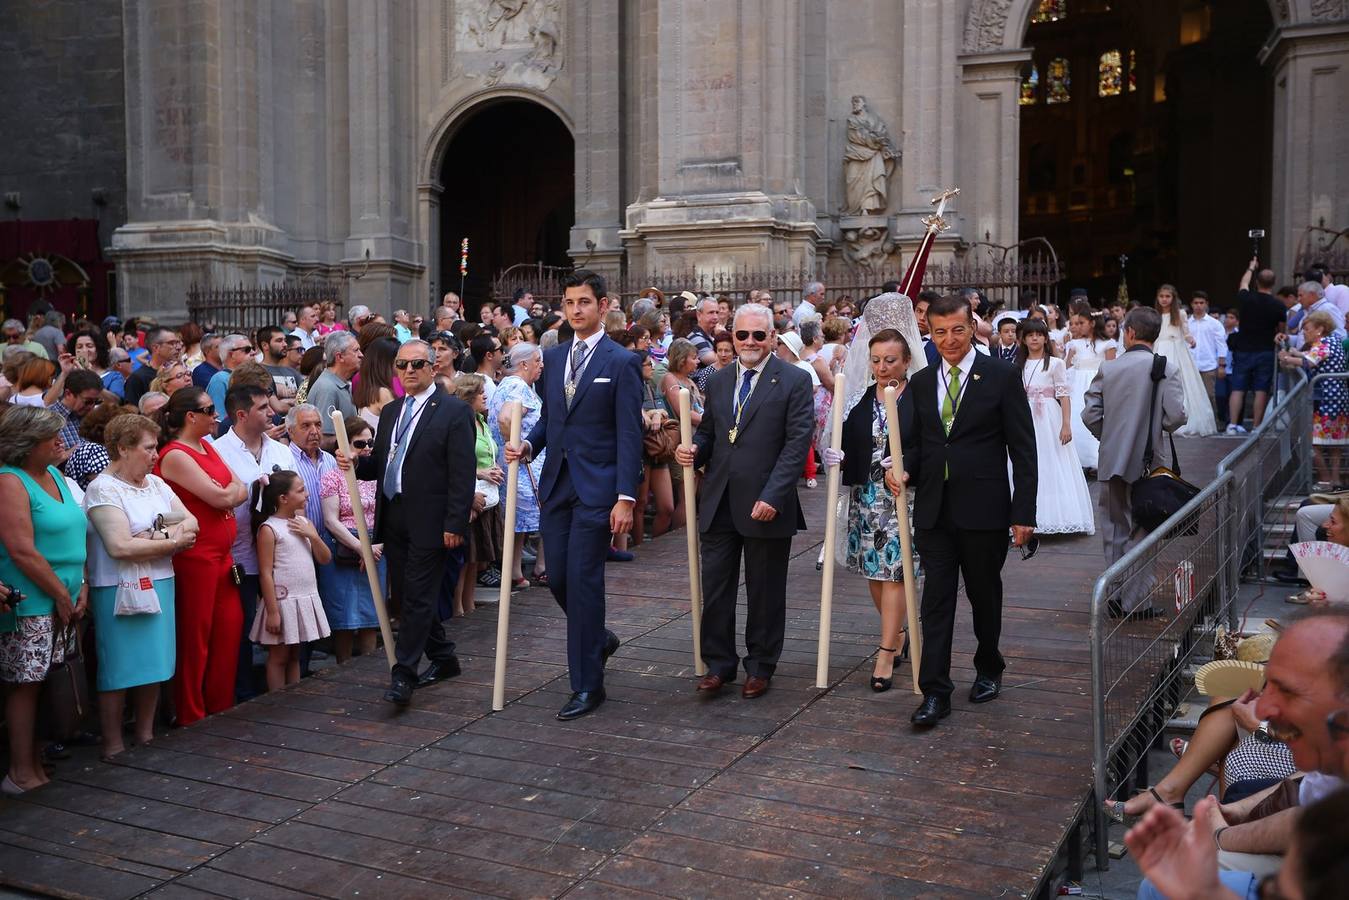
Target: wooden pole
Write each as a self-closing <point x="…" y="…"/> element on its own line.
<point x="691" y="529"/>
<point x="834" y="476"/>
<point x="507" y="557"/>
<point x="905" y="537"/>
<point x="367" y="552"/>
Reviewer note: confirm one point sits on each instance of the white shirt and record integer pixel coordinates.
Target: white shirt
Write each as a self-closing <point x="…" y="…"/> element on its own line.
<point x="1210" y="342"/>
<point x="419" y="402"/>
<point x="306" y="337"/>
<point x="590" y="343"/>
<point x="1326" y="306"/>
<point x="944" y="376"/>
<point x="805" y="310"/>
<point x="1339" y="295"/>
<point x="248" y="469"/>
<point x="141" y="505"/>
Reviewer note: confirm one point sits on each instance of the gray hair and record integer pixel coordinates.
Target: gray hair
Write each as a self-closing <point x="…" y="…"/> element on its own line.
<point x="13" y="325"/>
<point x="809" y="330"/>
<point x="55" y="317"/>
<point x="356" y="312"/>
<point x="150" y="396"/>
<point x="548" y="339"/>
<point x="418" y="342"/>
<point x="520" y="354"/>
<point x="336" y="343"/>
<point x="117" y="356"/>
<point x="13" y="350"/>
<point x="23" y="428"/>
<point x="754" y="309"/>
<point x="1312" y="287"/>
<point x="641" y="306"/>
<point x="231" y="342"/>
<point x="209" y="341"/>
<point x="812" y="288"/>
<point x="293" y="415"/>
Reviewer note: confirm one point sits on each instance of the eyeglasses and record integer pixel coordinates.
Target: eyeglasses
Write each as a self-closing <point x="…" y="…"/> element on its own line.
<point x="242" y="350"/>
<point x="362" y="444"/>
<point x="206" y="410"/>
<point x="757" y="335"/>
<point x="417" y="364"/>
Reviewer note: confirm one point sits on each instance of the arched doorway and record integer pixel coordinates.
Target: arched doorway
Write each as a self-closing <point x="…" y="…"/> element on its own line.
<point x="508" y="178"/>
<point x="1145" y="131"/>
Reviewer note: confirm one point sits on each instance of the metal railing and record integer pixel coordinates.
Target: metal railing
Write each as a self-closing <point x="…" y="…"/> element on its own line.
<point x="1191" y="567"/>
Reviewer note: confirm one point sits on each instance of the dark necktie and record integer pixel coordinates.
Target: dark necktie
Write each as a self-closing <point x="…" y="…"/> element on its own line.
<point x="578" y="356"/>
<point x="744" y="389"/>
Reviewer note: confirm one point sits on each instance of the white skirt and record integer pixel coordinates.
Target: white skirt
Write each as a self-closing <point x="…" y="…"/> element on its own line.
<point x="1062" y="500"/>
<point x="1084" y="443"/>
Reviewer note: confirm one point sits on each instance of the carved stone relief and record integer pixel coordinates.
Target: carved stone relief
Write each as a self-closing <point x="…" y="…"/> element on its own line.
<point x="1330" y="10"/>
<point x="867" y="244"/>
<point x="986" y="25"/>
<point x="509" y="41"/>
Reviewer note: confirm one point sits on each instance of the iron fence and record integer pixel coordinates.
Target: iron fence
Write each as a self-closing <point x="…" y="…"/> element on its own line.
<point x="243" y="309"/>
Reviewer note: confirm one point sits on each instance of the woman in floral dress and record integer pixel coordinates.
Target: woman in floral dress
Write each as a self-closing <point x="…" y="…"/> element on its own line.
<point x="1321" y="354"/>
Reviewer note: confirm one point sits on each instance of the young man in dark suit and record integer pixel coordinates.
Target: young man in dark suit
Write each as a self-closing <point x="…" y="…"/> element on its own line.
<point x="425" y="468"/>
<point x="591" y="425"/>
<point x="970" y="415"/>
<point x="756" y="429"/>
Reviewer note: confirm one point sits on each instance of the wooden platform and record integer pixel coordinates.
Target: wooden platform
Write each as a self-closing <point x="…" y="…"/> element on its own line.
<point x="324" y="790"/>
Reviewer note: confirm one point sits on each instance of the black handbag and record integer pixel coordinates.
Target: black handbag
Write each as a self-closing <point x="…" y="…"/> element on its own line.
<point x="1161" y="492"/>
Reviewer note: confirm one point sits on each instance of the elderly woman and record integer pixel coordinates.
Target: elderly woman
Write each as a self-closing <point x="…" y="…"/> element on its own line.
<point x="523" y="366"/>
<point x="344" y="586"/>
<point x="42" y="554"/>
<point x="1322" y="354"/>
<point x="91" y="457"/>
<point x="209" y="618"/>
<point x="131" y="509"/>
<point x="484" y="540"/>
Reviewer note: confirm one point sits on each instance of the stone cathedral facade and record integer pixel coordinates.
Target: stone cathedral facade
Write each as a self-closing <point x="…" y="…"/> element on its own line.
<point x="275" y="139"/>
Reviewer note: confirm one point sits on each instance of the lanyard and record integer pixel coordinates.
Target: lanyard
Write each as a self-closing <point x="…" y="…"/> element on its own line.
<point x="738" y="404"/>
<point x="946" y="387"/>
<point x="403" y="431"/>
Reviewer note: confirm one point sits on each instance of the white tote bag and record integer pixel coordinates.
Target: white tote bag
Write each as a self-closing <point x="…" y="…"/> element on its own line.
<point x="136" y="594"/>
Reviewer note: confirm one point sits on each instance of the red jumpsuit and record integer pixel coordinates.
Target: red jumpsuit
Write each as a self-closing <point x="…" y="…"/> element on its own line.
<point x="210" y="618"/>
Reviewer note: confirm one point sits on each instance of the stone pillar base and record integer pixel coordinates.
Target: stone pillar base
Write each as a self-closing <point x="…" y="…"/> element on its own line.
<point x="749" y="231"/>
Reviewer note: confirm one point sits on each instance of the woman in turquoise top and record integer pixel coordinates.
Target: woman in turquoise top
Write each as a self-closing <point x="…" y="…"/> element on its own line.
<point x="42" y="553"/>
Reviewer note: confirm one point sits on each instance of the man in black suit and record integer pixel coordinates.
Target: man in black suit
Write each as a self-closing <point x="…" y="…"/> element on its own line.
<point x="970" y="415"/>
<point x="425" y="468"/>
<point x="757" y="422"/>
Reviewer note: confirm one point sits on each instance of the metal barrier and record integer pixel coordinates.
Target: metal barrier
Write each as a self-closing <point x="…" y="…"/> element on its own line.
<point x="1184" y="570"/>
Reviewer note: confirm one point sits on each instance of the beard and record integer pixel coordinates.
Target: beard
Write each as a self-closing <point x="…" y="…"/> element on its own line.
<point x="751" y="358"/>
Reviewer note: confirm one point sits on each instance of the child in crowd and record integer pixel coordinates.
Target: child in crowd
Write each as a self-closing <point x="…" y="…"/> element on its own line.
<point x="1083" y="356"/>
<point x="291" y="612"/>
<point x="1005" y="347"/>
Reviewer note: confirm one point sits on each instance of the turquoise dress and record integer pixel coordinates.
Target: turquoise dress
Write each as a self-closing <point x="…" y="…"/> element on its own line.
<point x="58" y="533"/>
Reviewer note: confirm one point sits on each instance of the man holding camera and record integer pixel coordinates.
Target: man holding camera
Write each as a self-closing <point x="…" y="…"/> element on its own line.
<point x="1251" y="347"/>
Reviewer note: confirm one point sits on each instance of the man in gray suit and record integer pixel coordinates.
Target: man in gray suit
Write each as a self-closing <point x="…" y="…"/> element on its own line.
<point x="757" y="422"/>
<point x="1116" y="411"/>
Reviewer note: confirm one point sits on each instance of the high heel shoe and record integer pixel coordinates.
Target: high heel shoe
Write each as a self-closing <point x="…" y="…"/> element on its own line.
<point x="904" y="652"/>
<point x="10" y="789"/>
<point x="881" y="685"/>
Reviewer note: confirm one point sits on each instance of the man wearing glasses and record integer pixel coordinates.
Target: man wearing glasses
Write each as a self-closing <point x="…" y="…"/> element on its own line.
<point x="165" y="347"/>
<point x="235" y="350"/>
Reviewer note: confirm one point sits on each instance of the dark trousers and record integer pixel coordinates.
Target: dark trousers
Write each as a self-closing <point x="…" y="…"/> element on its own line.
<point x="765" y="592"/>
<point x="244" y="687"/>
<point x="415" y="575"/>
<point x="949" y="552"/>
<point x="575" y="547"/>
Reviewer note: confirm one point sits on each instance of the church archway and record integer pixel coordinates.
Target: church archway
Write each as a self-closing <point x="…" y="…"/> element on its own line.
<point x="508" y="185"/>
<point x="1145" y="132"/>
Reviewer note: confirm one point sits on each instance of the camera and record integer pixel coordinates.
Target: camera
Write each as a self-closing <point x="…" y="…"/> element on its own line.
<point x="15" y="597"/>
<point x="1255" y="233"/>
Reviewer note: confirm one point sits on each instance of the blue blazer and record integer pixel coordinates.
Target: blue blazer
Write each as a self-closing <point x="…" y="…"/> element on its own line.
<point x="600" y="437"/>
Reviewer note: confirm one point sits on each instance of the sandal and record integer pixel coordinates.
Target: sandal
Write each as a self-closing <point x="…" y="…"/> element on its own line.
<point x="519" y="585"/>
<point x="1303" y="598"/>
<point x="539" y="580"/>
<point x="1179" y="746"/>
<point x="1115" y="808"/>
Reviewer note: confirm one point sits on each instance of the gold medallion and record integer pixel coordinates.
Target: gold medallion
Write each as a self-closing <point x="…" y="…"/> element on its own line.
<point x="730" y="435"/>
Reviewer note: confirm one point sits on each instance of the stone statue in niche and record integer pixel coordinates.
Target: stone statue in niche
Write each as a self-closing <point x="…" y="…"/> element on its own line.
<point x="869" y="159"/>
<point x="868" y="248"/>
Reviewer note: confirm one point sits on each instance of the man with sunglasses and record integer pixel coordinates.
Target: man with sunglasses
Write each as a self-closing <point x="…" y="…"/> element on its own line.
<point x="591" y="425"/>
<point x="252" y="456"/>
<point x="758" y="418"/>
<point x="165" y="347"/>
<point x="424" y="467"/>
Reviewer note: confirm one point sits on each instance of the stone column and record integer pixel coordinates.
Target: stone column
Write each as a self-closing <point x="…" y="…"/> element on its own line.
<point x="594" y="60"/>
<point x="432" y="284"/>
<point x="988" y="142"/>
<point x="1310" y="180"/>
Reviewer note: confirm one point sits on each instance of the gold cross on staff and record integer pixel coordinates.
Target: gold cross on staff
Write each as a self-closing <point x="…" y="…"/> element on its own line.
<point x="935" y="221"/>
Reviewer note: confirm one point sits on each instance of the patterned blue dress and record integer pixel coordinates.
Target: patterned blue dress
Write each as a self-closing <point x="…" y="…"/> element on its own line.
<point x="872" y="547"/>
<point x="513" y="389"/>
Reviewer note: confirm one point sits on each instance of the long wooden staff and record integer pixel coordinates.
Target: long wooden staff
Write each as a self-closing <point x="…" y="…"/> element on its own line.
<point x="905" y="538"/>
<point x="507" y="558"/>
<point x="367" y="552"/>
<point x="834" y="476"/>
<point x="691" y="527"/>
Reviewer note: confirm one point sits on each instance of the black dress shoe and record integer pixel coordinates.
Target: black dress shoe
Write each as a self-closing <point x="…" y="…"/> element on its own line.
<point x="985" y="689"/>
<point x="581" y="702"/>
<point x="399" y="692"/>
<point x="932" y="711"/>
<point x="439" y="670"/>
<point x="611" y="643"/>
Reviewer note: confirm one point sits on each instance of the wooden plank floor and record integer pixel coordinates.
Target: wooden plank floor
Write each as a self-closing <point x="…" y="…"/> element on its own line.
<point x="324" y="790"/>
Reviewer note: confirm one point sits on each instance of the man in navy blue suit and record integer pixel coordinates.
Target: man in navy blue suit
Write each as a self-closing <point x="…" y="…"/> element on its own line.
<point x="591" y="425"/>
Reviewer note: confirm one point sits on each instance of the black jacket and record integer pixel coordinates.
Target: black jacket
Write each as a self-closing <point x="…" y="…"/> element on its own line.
<point x="856" y="468"/>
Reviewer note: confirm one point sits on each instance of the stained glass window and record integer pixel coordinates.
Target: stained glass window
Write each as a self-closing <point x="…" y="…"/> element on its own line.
<point x="1050" y="11"/>
<point x="1133" y="74"/>
<point x="1057" y="81"/>
<point x="1110" y="77"/>
<point x="1030" y="86"/>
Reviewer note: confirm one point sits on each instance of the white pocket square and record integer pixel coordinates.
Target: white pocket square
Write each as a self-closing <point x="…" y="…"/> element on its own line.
<point x="601" y="381"/>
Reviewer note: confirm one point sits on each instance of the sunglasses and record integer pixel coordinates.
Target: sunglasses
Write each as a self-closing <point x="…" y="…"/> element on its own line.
<point x="417" y="364"/>
<point x="362" y="444"/>
<point x="206" y="410"/>
<point x="757" y="335"/>
<point x="242" y="350"/>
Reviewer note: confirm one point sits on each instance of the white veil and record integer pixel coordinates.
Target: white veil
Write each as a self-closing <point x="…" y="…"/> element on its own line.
<point x="882" y="311"/>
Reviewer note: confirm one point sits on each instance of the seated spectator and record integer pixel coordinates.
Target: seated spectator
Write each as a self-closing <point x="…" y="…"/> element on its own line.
<point x="1309" y="520"/>
<point x="42" y="554"/>
<point x="129" y="508"/>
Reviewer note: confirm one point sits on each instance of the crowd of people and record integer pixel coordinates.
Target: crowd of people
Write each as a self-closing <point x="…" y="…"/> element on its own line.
<point x="176" y="511"/>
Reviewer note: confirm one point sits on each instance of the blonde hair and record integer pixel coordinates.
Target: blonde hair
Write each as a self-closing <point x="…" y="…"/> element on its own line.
<point x="1322" y="320"/>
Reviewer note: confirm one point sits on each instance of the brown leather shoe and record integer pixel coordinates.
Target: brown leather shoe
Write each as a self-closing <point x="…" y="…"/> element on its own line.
<point x="755" y="686"/>
<point x="711" y="683"/>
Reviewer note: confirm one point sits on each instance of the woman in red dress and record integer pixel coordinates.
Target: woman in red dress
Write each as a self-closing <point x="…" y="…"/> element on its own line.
<point x="209" y="616"/>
